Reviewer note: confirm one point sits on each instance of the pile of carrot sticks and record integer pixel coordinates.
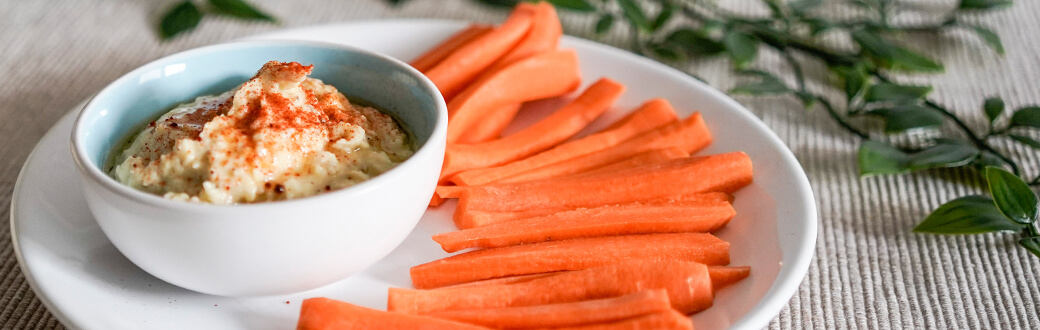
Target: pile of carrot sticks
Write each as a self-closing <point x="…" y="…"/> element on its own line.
<point x="608" y="231"/>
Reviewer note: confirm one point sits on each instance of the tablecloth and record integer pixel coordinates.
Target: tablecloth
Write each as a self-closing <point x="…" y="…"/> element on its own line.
<point x="869" y="271"/>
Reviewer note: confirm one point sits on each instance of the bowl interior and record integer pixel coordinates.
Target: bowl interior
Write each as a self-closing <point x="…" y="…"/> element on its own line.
<point x="124" y="107"/>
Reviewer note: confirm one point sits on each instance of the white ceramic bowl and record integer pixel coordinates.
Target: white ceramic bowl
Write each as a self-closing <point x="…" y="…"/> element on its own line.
<point x="265" y="248"/>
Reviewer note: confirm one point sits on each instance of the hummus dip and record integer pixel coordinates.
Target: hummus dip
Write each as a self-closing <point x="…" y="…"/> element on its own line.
<point x="278" y="136"/>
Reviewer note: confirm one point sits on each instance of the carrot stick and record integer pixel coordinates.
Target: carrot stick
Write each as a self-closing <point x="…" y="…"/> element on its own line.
<point x="545" y="33"/>
<point x="647" y="157"/>
<point x="328" y="314"/>
<point x="472" y="219"/>
<point x="689" y="135"/>
<point x="627" y="219"/>
<point x="687" y="283"/>
<point x="662" y="320"/>
<point x="470" y="59"/>
<point x="650" y="115"/>
<point x="565" y="314"/>
<point x="436" y="200"/>
<point x="722" y="276"/>
<point x="433" y="56"/>
<point x="544" y="134"/>
<point x="504" y="280"/>
<point x="715" y="173"/>
<point x="537" y="77"/>
<point x="569" y="255"/>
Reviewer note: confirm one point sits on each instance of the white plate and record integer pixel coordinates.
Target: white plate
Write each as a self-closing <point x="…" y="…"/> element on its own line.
<point x="86" y="283"/>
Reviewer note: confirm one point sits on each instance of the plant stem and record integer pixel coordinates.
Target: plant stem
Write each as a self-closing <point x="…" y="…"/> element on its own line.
<point x="799" y="76"/>
<point x="841" y="121"/>
<point x="975" y="139"/>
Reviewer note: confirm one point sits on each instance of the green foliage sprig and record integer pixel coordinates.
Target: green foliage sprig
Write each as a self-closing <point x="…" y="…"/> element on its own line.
<point x="679" y="30"/>
<point x="186" y="15"/>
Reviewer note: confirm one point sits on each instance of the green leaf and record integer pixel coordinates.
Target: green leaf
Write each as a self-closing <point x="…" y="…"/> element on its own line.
<point x="182" y="17"/>
<point x="1025" y="140"/>
<point x="879" y="158"/>
<point x="887" y="92"/>
<point x="576" y="5"/>
<point x="1012" y="195"/>
<point x="808" y="99"/>
<point x="987" y="158"/>
<point x="993" y="107"/>
<point x="240" y="9"/>
<point x="967" y="215"/>
<point x="907" y="117"/>
<point x="767" y="85"/>
<point x="1032" y="244"/>
<point x="667" y="9"/>
<point x="983" y="4"/>
<point x="667" y="51"/>
<point x="817" y="25"/>
<point x="856" y="81"/>
<point x="695" y="44"/>
<point x="500" y="3"/>
<point x="991" y="38"/>
<point x="892" y="56"/>
<point x="1026" y="117"/>
<point x="634" y="14"/>
<point x="943" y="154"/>
<point x="742" y="47"/>
<point x="604" y="23"/>
<point x="802" y="6"/>
<point x="774" y="8"/>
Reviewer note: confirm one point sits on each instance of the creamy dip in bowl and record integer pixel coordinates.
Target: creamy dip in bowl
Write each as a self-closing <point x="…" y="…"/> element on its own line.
<point x="243" y="237"/>
<point x="280" y="135"/>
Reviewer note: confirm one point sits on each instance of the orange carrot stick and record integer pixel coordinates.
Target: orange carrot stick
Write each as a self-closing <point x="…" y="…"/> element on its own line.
<point x="504" y="280"/>
<point x="328" y="314"/>
<point x="662" y="320"/>
<point x="545" y="33"/>
<point x="470" y="59"/>
<point x="627" y="219"/>
<point x="565" y="314"/>
<point x="650" y="115"/>
<point x="715" y="173"/>
<point x="552" y="130"/>
<point x="436" y="200"/>
<point x="722" y="276"/>
<point x="537" y="77"/>
<point x="569" y="255"/>
<point x="647" y="157"/>
<point x="687" y="283"/>
<point x="433" y="56"/>
<point x="690" y="135"/>
<point x="472" y="219"/>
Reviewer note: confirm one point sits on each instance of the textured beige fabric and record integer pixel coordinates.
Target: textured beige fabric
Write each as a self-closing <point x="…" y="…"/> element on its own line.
<point x="869" y="272"/>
